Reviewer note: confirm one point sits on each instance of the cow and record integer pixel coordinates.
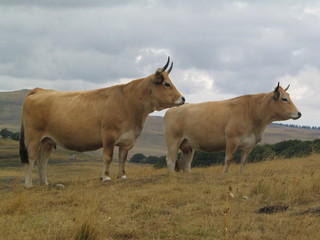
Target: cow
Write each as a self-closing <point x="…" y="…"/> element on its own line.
<point x="88" y="120"/>
<point x="223" y="126"/>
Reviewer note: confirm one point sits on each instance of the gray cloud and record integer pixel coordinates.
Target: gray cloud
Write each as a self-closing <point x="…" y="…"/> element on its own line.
<point x="232" y="47"/>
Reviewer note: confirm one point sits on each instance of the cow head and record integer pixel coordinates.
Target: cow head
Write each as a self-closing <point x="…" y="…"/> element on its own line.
<point x="164" y="94"/>
<point x="284" y="107"/>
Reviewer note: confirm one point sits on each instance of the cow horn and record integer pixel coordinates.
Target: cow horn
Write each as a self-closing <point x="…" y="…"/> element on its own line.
<point x="170" y="68"/>
<point x="165" y="66"/>
<point x="277" y="88"/>
<point x="287" y="87"/>
<point x="276" y="93"/>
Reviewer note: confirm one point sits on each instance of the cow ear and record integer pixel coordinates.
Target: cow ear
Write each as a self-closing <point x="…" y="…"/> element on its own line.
<point x="276" y="93"/>
<point x="158" y="78"/>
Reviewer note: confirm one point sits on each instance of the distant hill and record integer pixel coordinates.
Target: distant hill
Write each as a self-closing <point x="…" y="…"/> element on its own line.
<point x="10" y="109"/>
<point x="151" y="141"/>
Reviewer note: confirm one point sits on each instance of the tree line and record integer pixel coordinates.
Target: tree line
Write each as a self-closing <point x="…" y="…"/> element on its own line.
<point x="5" y="134"/>
<point x="284" y="149"/>
<point x="297" y="126"/>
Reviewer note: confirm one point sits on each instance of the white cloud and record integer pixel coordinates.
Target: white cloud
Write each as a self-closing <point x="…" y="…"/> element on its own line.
<point x="8" y="83"/>
<point x="304" y="91"/>
<point x="313" y="11"/>
<point x="195" y="80"/>
<point x="305" y="85"/>
<point x="299" y="52"/>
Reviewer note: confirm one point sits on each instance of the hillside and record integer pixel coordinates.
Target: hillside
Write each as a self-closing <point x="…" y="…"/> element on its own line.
<point x="10" y="109"/>
<point x="151" y="141"/>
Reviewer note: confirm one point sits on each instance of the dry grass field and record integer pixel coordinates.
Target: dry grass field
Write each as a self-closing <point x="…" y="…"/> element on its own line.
<point x="152" y="204"/>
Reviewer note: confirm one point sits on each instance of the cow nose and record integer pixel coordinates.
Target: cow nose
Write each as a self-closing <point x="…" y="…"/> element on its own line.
<point x="183" y="100"/>
<point x="299" y="114"/>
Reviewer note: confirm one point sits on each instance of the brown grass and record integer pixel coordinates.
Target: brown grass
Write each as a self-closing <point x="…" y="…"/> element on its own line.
<point x="153" y="204"/>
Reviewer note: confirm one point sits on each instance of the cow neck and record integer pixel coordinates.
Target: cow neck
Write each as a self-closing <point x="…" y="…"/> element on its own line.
<point x="263" y="110"/>
<point x="138" y="98"/>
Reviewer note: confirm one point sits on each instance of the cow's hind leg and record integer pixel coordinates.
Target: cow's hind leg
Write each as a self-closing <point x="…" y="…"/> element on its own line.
<point x="172" y="156"/>
<point x="33" y="148"/>
<point x="46" y="147"/>
<point x="186" y="159"/>
<point x="28" y="172"/>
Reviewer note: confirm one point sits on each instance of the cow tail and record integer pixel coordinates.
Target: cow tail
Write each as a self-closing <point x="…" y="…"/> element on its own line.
<point x="23" y="150"/>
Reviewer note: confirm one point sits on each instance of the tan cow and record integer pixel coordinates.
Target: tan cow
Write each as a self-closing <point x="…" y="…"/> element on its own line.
<point x="89" y="120"/>
<point x="223" y="126"/>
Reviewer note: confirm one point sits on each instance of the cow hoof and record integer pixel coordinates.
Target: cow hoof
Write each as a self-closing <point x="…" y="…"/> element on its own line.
<point x="105" y="179"/>
<point x="28" y="186"/>
<point x="123" y="177"/>
<point x="60" y="186"/>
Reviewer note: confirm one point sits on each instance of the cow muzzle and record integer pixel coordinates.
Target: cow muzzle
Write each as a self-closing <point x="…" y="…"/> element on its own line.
<point x="181" y="100"/>
<point x="296" y="115"/>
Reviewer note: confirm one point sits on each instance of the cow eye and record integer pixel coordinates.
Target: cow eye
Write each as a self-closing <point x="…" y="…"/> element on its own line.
<point x="284" y="99"/>
<point x="167" y="84"/>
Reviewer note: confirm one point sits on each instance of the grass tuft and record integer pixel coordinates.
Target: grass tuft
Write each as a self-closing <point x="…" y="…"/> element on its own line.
<point x="86" y="232"/>
<point x="17" y="205"/>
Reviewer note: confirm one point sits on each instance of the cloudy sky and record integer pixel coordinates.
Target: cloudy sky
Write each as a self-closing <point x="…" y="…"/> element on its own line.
<point x="220" y="49"/>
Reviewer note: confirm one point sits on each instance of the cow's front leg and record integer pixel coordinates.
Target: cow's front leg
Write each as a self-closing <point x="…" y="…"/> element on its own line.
<point x="123" y="153"/>
<point x="33" y="149"/>
<point x="107" y="159"/>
